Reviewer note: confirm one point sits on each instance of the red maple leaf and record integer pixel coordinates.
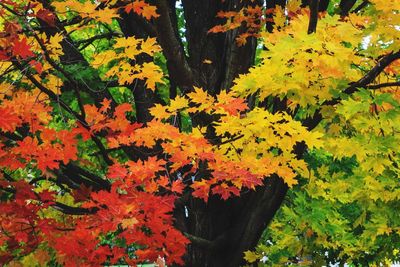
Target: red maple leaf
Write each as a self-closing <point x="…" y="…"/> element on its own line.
<point x="22" y="49"/>
<point x="177" y="187"/>
<point x="8" y="120"/>
<point x="201" y="189"/>
<point x="37" y="66"/>
<point x="46" y="16"/>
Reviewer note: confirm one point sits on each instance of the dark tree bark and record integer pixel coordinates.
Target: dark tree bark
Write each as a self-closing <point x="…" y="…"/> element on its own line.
<point x="345" y="6"/>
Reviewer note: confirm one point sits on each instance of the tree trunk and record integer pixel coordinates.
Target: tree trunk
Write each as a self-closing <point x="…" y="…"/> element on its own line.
<point x="220" y="230"/>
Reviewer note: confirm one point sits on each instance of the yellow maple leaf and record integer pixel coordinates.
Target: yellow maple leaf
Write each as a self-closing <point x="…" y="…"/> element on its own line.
<point x="105" y="15"/>
<point x="54" y="83"/>
<point x="61" y="7"/>
<point x="178" y="103"/>
<point x="198" y="96"/>
<point x="313" y="139"/>
<point x="85" y="9"/>
<point x="149" y="12"/>
<point x="293" y="5"/>
<point x="150" y="46"/>
<point x="159" y="112"/>
<point x="5" y="89"/>
<point x="129" y="222"/>
<point x="122" y="42"/>
<point x="279" y="17"/>
<point x="152" y="73"/>
<point x="251" y="256"/>
<point x="54" y="47"/>
<point x="287" y="175"/>
<point x="103" y="58"/>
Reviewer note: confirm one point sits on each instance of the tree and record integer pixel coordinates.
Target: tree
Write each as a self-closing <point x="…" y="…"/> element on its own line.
<point x="138" y="131"/>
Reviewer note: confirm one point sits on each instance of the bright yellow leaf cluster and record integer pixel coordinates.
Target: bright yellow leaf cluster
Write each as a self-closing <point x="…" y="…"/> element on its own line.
<point x="87" y="9"/>
<point x="125" y="51"/>
<point x="304" y="67"/>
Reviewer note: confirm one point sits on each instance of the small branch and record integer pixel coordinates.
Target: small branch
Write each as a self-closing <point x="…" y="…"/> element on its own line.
<point x="49" y="93"/>
<point x="73" y="210"/>
<point x="373" y="73"/>
<point x="382" y="85"/>
<point x="7" y="176"/>
<point x="361" y="6"/>
<point x="312" y="26"/>
<point x="66" y="75"/>
<point x="96" y="180"/>
<point x="11" y="10"/>
<point x="90" y="40"/>
<point x="312" y="122"/>
<point x="231" y="140"/>
<point x="55" y="98"/>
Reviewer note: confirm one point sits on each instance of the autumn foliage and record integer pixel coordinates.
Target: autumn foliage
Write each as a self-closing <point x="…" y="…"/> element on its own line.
<point x="109" y="140"/>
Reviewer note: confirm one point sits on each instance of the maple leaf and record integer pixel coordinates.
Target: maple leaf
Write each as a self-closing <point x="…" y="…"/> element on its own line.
<point x="201" y="189"/>
<point x="142" y="8"/>
<point x="163" y="181"/>
<point x="279" y="17"/>
<point x="160" y="112"/>
<point x="251" y="257"/>
<point x="127" y="223"/>
<point x="150" y="12"/>
<point x="232" y="105"/>
<point x="54" y="83"/>
<point x="198" y="96"/>
<point x="9" y="120"/>
<point x="149" y="46"/>
<point x="105" y="105"/>
<point x="177" y="104"/>
<point x="22" y="49"/>
<point x="293" y="6"/>
<point x="105" y="15"/>
<point x="47" y="16"/>
<point x="152" y="73"/>
<point x="177" y="186"/>
<point x="37" y="66"/>
<point x="225" y="191"/>
<point x="287" y="175"/>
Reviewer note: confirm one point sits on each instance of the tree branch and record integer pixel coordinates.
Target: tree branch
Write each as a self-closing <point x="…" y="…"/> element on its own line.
<point x="382" y="85"/>
<point x="57" y="99"/>
<point x="314" y="7"/>
<point x="361" y="6"/>
<point x="73" y="210"/>
<point x="74" y="170"/>
<point x="373" y="73"/>
<point x="90" y="40"/>
<point x="345" y="6"/>
<point x="178" y="66"/>
<point x="312" y="122"/>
